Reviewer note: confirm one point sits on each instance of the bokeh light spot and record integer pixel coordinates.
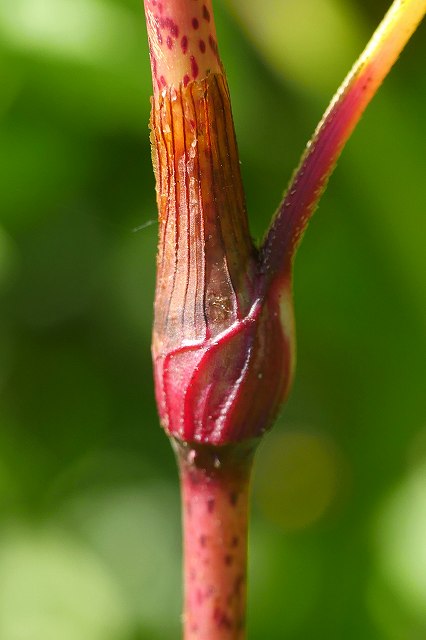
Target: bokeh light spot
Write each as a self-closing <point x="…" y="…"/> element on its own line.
<point x="136" y="530"/>
<point x="401" y="543"/>
<point x="286" y="34"/>
<point x="51" y="587"/>
<point x="84" y="30"/>
<point x="297" y="478"/>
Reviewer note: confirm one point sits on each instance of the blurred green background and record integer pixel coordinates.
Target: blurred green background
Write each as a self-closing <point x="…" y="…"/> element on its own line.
<point x="89" y="529"/>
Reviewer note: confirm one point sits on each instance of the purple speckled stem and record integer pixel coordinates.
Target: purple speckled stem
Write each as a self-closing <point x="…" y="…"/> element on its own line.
<point x="182" y="41"/>
<point x="215" y="497"/>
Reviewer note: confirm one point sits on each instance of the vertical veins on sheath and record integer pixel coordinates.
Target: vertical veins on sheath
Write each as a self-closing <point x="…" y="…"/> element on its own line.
<point x="206" y="260"/>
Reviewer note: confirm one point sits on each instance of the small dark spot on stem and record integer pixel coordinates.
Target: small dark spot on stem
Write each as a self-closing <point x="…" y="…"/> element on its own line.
<point x="203" y="540"/>
<point x="168" y="23"/>
<point x="222" y="619"/>
<point x="206" y="13"/>
<point x="228" y="559"/>
<point x="239" y="581"/>
<point x="213" y="45"/>
<point x="184" y="44"/>
<point x="233" y="498"/>
<point x="202" y="46"/>
<point x="366" y="83"/>
<point x="195" y="23"/>
<point x="210" y="505"/>
<point x="234" y="541"/>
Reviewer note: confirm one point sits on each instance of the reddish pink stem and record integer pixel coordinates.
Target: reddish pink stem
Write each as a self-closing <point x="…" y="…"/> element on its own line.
<point x="182" y="41"/>
<point x="215" y="497"/>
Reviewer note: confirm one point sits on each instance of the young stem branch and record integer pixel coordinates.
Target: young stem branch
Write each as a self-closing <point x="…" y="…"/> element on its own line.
<point x="215" y="496"/>
<point x="334" y="129"/>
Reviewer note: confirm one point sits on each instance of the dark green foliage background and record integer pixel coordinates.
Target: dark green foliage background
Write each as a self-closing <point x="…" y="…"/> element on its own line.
<point x="89" y="535"/>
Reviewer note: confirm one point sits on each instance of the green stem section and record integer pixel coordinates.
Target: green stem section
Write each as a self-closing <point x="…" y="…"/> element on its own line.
<point x="215" y="504"/>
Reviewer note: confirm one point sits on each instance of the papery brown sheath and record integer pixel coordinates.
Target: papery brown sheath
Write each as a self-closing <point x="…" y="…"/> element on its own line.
<point x="222" y="359"/>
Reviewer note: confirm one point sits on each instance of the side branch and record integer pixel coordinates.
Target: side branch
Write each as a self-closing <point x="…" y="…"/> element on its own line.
<point x="334" y="129"/>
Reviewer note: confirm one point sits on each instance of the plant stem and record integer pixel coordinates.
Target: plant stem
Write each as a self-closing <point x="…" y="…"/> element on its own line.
<point x="215" y="504"/>
<point x="182" y="42"/>
<point x="332" y="133"/>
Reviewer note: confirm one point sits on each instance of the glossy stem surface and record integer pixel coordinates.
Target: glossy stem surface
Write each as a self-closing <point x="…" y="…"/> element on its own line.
<point x="215" y="503"/>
